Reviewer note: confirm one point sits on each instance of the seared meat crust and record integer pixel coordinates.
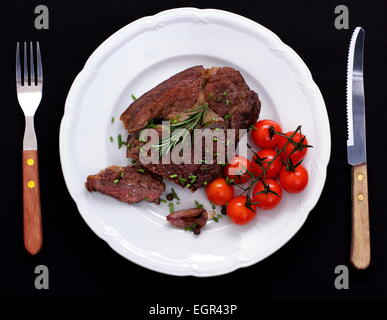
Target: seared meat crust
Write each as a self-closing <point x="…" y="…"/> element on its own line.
<point x="129" y="184"/>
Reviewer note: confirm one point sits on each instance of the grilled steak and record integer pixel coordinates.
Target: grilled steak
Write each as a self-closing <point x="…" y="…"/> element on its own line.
<point x="231" y="105"/>
<point x="129" y="184"/>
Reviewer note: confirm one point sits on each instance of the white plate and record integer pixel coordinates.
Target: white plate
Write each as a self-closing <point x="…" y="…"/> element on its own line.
<point x="135" y="59"/>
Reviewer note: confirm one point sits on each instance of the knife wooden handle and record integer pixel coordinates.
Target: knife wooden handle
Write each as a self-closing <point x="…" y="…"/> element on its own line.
<point x="32" y="218"/>
<point x="360" y="247"/>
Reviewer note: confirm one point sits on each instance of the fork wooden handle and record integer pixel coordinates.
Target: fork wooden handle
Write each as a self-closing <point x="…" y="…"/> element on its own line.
<point x="360" y="248"/>
<point x="32" y="218"/>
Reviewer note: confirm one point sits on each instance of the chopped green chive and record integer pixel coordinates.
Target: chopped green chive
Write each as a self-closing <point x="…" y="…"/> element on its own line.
<point x="173" y="176"/>
<point x="213" y="206"/>
<point x="227" y="116"/>
<point x="198" y="204"/>
<point x="122" y="174"/>
<point x="112" y="119"/>
<point x="133" y="97"/>
<point x="217" y="217"/>
<point x="116" y="180"/>
<point x="191" y="228"/>
<point x="205" y="183"/>
<point x="175" y="194"/>
<point x="187" y="185"/>
<point x="215" y="139"/>
<point x="119" y="141"/>
<point x="111" y="139"/>
<point x="141" y="170"/>
<point x="182" y="180"/>
<point x="171" y="207"/>
<point x="163" y="200"/>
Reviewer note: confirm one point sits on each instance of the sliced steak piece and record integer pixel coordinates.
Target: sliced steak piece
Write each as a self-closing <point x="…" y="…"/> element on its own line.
<point x="175" y="95"/>
<point x="129" y="184"/>
<point x="231" y="105"/>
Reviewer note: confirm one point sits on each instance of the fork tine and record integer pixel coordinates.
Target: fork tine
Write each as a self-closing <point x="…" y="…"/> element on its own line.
<point x="18" y="69"/>
<point x="39" y="64"/>
<point x="32" y="67"/>
<point x="25" y="73"/>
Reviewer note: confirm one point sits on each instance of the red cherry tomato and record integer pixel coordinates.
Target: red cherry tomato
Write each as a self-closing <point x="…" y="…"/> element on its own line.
<point x="300" y="151"/>
<point x="238" y="212"/>
<point x="219" y="192"/>
<point x="263" y="197"/>
<point x="294" y="180"/>
<point x="237" y="169"/>
<point x="261" y="160"/>
<point x="261" y="134"/>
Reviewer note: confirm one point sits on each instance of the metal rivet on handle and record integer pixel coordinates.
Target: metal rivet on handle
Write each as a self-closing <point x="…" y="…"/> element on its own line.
<point x="360" y="197"/>
<point x="31" y="184"/>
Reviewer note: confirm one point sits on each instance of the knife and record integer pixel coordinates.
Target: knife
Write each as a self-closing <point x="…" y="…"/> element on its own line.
<point x="356" y="151"/>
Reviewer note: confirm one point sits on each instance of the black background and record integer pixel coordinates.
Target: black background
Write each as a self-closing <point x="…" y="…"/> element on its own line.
<point x="83" y="267"/>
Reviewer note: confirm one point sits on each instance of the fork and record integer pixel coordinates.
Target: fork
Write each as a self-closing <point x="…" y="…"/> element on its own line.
<point x="29" y="94"/>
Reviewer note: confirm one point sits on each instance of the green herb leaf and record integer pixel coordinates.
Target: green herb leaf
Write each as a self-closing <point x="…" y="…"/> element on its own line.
<point x="171" y="207"/>
<point x="182" y="180"/>
<point x="198" y="204"/>
<point x="175" y="194"/>
<point x="176" y="136"/>
<point x="216" y="217"/>
<point x="119" y="141"/>
<point x="191" y="228"/>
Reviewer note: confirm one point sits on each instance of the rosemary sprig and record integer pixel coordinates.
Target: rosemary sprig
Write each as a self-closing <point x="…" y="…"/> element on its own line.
<point x="176" y="135"/>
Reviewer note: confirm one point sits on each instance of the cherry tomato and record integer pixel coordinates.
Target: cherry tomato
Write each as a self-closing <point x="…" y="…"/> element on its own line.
<point x="267" y="200"/>
<point x="300" y="151"/>
<point x="261" y="134"/>
<point x="219" y="192"/>
<point x="294" y="180"/>
<point x="237" y="169"/>
<point x="267" y="155"/>
<point x="238" y="212"/>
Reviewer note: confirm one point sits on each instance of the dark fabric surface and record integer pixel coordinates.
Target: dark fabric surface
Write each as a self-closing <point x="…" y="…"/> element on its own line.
<point x="82" y="266"/>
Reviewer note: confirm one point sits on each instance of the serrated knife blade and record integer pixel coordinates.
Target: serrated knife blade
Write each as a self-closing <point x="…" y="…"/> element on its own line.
<point x="356" y="142"/>
<point x="356" y="150"/>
